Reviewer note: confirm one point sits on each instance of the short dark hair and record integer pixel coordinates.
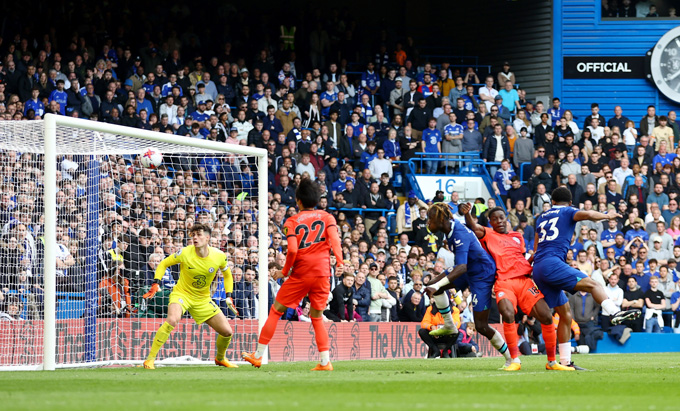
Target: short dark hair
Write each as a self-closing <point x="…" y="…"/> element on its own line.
<point x="201" y="227"/>
<point x="308" y="193"/>
<point x="495" y="209"/>
<point x="561" y="195"/>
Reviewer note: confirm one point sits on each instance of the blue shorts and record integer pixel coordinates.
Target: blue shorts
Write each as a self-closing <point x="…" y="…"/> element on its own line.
<point x="481" y="285"/>
<point x="553" y="276"/>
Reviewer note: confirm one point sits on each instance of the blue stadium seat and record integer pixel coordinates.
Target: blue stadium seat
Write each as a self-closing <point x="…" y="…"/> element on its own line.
<point x="70" y="305"/>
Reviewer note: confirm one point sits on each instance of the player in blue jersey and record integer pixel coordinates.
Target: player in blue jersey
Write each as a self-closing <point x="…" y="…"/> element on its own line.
<point x="553" y="276"/>
<point x="474" y="268"/>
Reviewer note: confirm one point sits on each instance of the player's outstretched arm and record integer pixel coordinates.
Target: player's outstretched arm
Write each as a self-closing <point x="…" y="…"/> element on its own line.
<point x="595" y="215"/>
<point x="465" y="209"/>
<point x="160" y="271"/>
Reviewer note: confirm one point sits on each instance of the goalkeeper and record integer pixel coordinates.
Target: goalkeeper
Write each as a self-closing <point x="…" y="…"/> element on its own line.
<point x="198" y="266"/>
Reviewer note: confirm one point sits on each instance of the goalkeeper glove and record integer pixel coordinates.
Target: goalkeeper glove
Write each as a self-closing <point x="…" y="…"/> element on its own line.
<point x="153" y="290"/>
<point x="230" y="304"/>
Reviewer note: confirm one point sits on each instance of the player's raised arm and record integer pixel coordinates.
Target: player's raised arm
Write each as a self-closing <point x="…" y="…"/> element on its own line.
<point x="595" y="215"/>
<point x="465" y="209"/>
<point x="172" y="259"/>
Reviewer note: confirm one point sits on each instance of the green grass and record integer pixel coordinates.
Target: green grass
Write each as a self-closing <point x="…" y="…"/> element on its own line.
<point x="649" y="381"/>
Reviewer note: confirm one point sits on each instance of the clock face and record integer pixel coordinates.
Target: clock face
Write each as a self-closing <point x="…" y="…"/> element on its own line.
<point x="665" y="64"/>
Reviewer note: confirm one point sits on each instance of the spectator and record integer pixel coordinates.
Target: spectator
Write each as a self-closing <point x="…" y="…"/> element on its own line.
<point x="408" y="213"/>
<point x="11" y="308"/>
<point x="655" y="304"/>
<point x="649" y="122"/>
<point x="515" y="213"/>
<point x="491" y="152"/>
<point x="585" y="311"/>
<point x="411" y="310"/>
<point x="614" y="293"/>
<point x="380" y="165"/>
<point x="472" y="138"/>
<point x="466" y="346"/>
<point x="666" y="284"/>
<point x="633" y="297"/>
<point x="518" y="192"/>
<point x="378" y="294"/>
<point x="362" y="294"/>
<point x="343" y="302"/>
<point x="431" y="321"/>
<point x="502" y="180"/>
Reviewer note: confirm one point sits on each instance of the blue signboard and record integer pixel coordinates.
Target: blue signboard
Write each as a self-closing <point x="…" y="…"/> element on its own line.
<point x="580" y="31"/>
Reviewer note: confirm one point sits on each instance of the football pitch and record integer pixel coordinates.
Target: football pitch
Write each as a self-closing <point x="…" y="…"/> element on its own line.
<point x="642" y="381"/>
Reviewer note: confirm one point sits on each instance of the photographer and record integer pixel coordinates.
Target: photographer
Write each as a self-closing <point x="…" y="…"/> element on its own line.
<point x="114" y="292"/>
<point x="530" y="340"/>
<point x="432" y="321"/>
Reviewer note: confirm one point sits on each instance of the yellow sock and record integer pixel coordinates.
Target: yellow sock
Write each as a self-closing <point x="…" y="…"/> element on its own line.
<point x="222" y="345"/>
<point x="161" y="337"/>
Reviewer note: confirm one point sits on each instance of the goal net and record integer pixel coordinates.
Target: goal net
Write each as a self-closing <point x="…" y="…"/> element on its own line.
<point x="84" y="225"/>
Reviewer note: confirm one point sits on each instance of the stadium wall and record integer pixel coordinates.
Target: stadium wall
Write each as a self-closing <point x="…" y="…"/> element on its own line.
<point x="294" y="341"/>
<point x="579" y="31"/>
<point x="21" y="341"/>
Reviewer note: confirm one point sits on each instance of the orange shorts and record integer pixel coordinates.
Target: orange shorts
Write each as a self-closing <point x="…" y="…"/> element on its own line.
<point x="520" y="291"/>
<point x="295" y="288"/>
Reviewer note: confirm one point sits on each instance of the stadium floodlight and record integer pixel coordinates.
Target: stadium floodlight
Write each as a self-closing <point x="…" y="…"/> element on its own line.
<point x="76" y="197"/>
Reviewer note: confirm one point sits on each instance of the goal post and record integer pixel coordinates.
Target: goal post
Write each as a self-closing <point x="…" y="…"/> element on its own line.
<point x="67" y="309"/>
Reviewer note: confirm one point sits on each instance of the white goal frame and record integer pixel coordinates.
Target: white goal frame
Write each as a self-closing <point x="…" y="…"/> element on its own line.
<point x="51" y="123"/>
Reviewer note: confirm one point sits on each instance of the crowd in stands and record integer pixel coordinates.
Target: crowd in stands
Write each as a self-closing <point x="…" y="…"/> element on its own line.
<point x="344" y="131"/>
<point x="638" y="9"/>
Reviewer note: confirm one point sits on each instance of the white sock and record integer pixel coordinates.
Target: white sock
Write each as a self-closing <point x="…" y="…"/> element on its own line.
<point x="442" y="302"/>
<point x="441" y="283"/>
<point x="260" y="350"/>
<point x="565" y="352"/>
<point x="325" y="358"/>
<point x="499" y="343"/>
<point x="609" y="307"/>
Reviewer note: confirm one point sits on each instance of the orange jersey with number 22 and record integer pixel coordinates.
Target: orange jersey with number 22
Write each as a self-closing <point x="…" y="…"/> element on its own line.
<point x="311" y="234"/>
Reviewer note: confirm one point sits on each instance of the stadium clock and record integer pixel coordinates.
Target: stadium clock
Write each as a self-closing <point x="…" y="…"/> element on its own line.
<point x="665" y="64"/>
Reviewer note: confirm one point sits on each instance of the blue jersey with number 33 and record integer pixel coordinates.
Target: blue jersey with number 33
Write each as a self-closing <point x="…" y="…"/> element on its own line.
<point x="555" y="228"/>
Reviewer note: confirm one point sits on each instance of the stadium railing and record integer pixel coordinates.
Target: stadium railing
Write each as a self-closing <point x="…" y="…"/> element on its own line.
<point x="471" y="165"/>
<point x="388" y="214"/>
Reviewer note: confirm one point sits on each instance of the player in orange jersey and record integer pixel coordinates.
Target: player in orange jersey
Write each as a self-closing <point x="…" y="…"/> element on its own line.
<point x="514" y="286"/>
<point x="311" y="234"/>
